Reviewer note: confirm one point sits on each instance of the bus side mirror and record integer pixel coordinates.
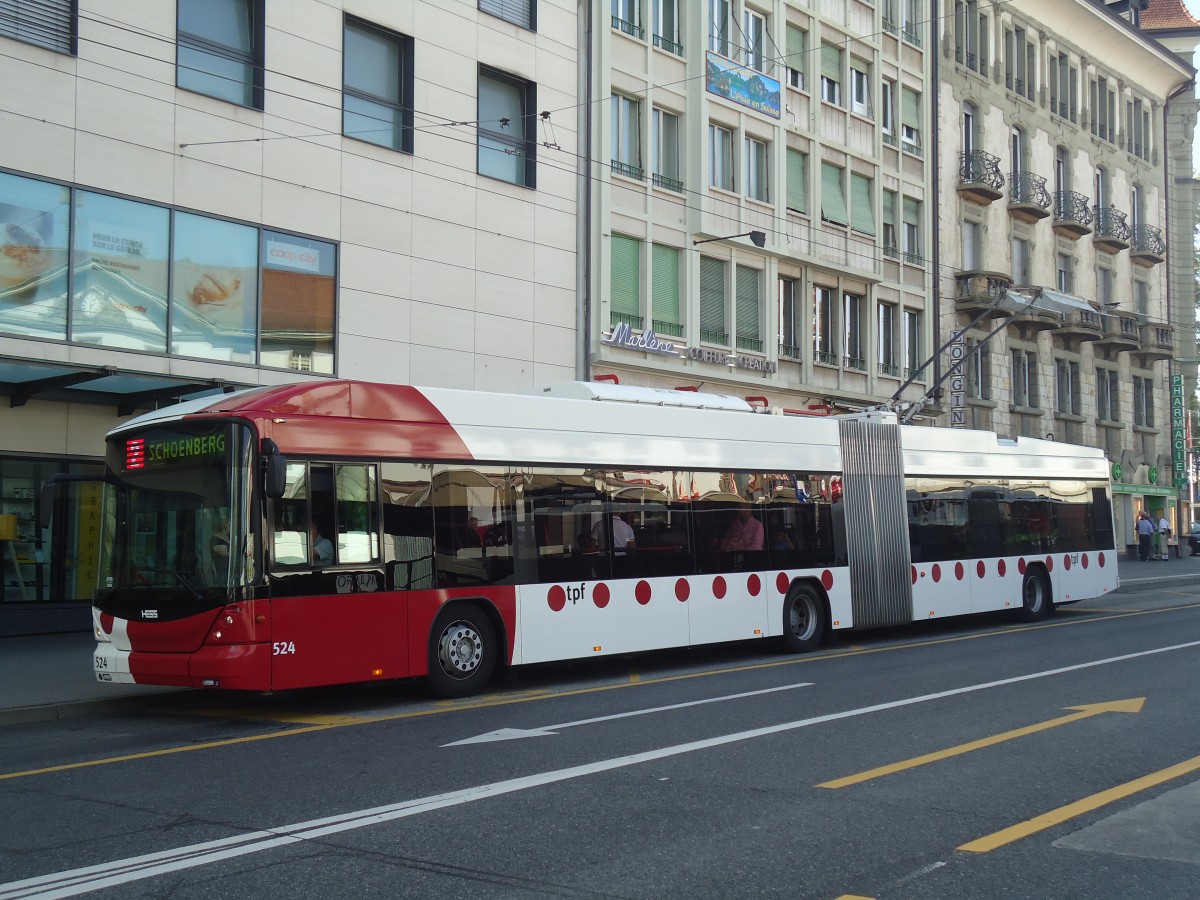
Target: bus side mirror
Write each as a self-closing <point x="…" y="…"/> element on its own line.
<point x="274" y="466"/>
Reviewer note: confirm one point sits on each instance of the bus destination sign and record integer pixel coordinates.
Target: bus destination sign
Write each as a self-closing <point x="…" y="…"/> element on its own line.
<point x="153" y="453"/>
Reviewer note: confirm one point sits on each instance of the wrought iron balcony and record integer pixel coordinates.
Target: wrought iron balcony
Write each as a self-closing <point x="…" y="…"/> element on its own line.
<point x="629" y="28"/>
<point x="628" y="171"/>
<point x="1112" y="231"/>
<point x="1081" y="325"/>
<point x="980" y="291"/>
<point x="1072" y="217"/>
<point x="1147" y="247"/>
<point x="1028" y="199"/>
<point x="979" y="178"/>
<point x="1122" y="332"/>
<point x="1158" y="342"/>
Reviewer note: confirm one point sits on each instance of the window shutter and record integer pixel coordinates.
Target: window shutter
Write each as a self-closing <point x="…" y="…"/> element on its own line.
<point x="862" y="215"/>
<point x="833" y="195"/>
<point x="910" y="108"/>
<point x="519" y="12"/>
<point x="797" y="48"/>
<point x="748" y="303"/>
<point x="665" y="283"/>
<point x="46" y="23"/>
<point x="626" y="275"/>
<point x="797" y="181"/>
<point x="912" y="211"/>
<point x="889" y="208"/>
<point x="712" y="294"/>
<point x="831" y="62"/>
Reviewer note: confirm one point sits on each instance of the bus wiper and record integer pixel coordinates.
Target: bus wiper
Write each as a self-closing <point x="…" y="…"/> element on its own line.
<point x="191" y="590"/>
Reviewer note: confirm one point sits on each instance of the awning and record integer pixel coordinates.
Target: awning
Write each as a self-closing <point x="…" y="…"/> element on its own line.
<point x="1045" y="300"/>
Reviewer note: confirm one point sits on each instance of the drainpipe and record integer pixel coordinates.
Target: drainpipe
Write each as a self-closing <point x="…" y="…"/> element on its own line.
<point x="935" y="193"/>
<point x="583" y="230"/>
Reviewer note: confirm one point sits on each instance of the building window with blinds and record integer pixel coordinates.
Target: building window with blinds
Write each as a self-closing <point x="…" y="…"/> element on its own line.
<point x="860" y="87"/>
<point x="664" y="290"/>
<point x="831" y="74"/>
<point x="833" y="195"/>
<point x="519" y="12"/>
<point x="52" y="24"/>
<point x="797" y="181"/>
<point x="796" y="48"/>
<point x="824" y="346"/>
<point x="625" y="304"/>
<point x="749" y="309"/>
<point x="910" y="121"/>
<point x="712" y="302"/>
<point x="862" y="204"/>
<point x="890" y="245"/>
<point x="912" y="232"/>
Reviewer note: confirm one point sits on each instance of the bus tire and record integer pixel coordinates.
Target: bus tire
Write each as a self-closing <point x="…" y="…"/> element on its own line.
<point x="1035" y="596"/>
<point x="804" y="619"/>
<point x="462" y="651"/>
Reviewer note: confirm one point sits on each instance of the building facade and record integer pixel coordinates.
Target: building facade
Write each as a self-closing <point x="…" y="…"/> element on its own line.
<point x="1059" y="176"/>
<point x="758" y="199"/>
<point x="199" y="197"/>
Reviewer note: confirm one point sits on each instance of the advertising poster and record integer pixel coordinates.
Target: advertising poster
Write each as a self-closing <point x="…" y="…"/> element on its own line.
<point x="297" y="303"/>
<point x="34" y="219"/>
<point x="214" y="298"/>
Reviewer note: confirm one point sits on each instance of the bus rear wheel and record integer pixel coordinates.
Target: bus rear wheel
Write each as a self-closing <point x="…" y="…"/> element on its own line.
<point x="1035" y="596"/>
<point x="462" y="652"/>
<point x="803" y="619"/>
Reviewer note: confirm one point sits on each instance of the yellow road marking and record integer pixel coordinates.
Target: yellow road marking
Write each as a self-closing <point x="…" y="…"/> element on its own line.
<point x="484" y="702"/>
<point x="1085" y="712"/>
<point x="254" y="715"/>
<point x="1079" y="807"/>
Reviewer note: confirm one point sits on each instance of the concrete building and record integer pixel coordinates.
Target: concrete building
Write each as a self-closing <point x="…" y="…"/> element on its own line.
<point x="198" y="197"/>
<point x="1066" y="239"/>
<point x="758" y="210"/>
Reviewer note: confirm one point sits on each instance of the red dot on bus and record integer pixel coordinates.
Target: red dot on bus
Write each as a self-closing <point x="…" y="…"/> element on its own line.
<point x="1066" y="562"/>
<point x="914" y="574"/>
<point x="642" y="592"/>
<point x="1021" y="565"/>
<point x="959" y="571"/>
<point x="1100" y="557"/>
<point x="1049" y="563"/>
<point x="781" y="582"/>
<point x="682" y="590"/>
<point x="753" y="585"/>
<point x="981" y="568"/>
<point x="719" y="587"/>
<point x="600" y="596"/>
<point x="557" y="598"/>
<point x="1084" y="561"/>
<point x="106" y="622"/>
<point x="827" y="580"/>
<point x="1001" y="568"/>
<point x="936" y="572"/>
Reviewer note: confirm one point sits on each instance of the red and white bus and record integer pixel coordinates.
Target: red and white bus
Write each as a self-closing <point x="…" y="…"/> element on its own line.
<point x="336" y="532"/>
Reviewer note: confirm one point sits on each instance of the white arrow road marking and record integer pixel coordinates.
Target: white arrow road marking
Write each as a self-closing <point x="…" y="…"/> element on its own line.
<point x="508" y="734"/>
<point x="73" y="882"/>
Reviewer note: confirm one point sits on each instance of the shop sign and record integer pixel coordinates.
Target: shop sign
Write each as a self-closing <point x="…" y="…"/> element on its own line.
<point x="958" y="382"/>
<point x="1116" y="471"/>
<point x="744" y="86"/>
<point x="720" y="358"/>
<point x="623" y="336"/>
<point x="1178" y="432"/>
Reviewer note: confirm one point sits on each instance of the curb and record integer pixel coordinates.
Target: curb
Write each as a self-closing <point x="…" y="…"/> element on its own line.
<point x="74" y="709"/>
<point x="1140" y="585"/>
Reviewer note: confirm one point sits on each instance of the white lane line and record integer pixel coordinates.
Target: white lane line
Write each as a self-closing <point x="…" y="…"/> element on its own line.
<point x="79" y="881"/>
<point x="505" y="734"/>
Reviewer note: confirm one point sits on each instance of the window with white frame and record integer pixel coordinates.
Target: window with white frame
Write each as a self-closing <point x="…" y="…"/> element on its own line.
<point x="887" y="110"/>
<point x="1067" y="400"/>
<point x="1064" y="272"/>
<point x="831" y="74"/>
<point x="519" y="12"/>
<point x="505" y="130"/>
<point x="713" y="307"/>
<point x="748" y="309"/>
<point x="666" y="26"/>
<point x="860" y="87"/>
<point x="911" y="12"/>
<point x="852" y="331"/>
<point x="886" y="339"/>
<point x="791" y="326"/>
<point x="757" y="165"/>
<point x="720" y="26"/>
<point x="720" y="157"/>
<point x="1108" y="395"/>
<point x="667" y="165"/>
<point x="1024" y="377"/>
<point x="890" y="245"/>
<point x="797" y="57"/>
<point x="627" y="17"/>
<point x="754" y="31"/>
<point x="626" y="137"/>
<point x="52" y="24"/>
<point x="913" y="252"/>
<point x="823" y="335"/>
<point x="910" y="120"/>
<point x="914" y="342"/>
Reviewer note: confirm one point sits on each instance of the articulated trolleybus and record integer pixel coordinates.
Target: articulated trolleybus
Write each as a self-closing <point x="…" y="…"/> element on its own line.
<point x="337" y="532"/>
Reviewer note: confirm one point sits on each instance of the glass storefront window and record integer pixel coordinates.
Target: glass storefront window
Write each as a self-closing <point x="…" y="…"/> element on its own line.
<point x="34" y="218"/>
<point x="298" y="281"/>
<point x="214" y="298"/>
<point x="120" y="289"/>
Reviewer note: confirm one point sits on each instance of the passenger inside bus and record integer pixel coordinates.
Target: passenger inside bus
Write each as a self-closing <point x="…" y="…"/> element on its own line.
<point x="322" y="547"/>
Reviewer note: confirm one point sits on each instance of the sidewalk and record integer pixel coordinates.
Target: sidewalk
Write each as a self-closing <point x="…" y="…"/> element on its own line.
<point x="50" y="676"/>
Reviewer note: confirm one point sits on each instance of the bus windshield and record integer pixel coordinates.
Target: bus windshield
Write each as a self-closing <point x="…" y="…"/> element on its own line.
<point x="176" y="516"/>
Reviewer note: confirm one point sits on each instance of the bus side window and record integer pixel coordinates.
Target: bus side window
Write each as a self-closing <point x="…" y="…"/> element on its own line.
<point x="407" y="526"/>
<point x="357" y="532"/>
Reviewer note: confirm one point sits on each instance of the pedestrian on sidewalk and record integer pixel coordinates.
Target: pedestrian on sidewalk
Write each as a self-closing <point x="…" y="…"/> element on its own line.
<point x="1145" y="533"/>
<point x="1164" y="536"/>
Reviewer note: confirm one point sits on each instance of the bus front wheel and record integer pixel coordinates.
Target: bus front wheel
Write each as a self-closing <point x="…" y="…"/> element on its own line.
<point x="803" y="619"/>
<point x="1035" y="596"/>
<point x="462" y="652"/>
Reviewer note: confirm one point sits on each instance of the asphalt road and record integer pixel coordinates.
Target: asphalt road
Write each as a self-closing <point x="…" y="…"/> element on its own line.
<point x="972" y="758"/>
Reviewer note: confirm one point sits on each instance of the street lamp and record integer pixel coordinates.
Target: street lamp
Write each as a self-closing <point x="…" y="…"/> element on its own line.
<point x="757" y="238"/>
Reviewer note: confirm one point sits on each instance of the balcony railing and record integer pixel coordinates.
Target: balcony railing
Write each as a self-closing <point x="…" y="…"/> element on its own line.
<point x="626" y="319"/>
<point x="825" y="358"/>
<point x="1112" y="229"/>
<point x="889" y="369"/>
<point x="669" y="45"/>
<point x="911" y="35"/>
<point x="890" y="26"/>
<point x="670" y="329"/>
<point x="979" y="176"/>
<point x="1071" y="213"/>
<point x="754" y="345"/>
<point x="714" y="337"/>
<point x="625" y="169"/>
<point x="791" y="351"/>
<point x="890" y="139"/>
<point x="1148" y="239"/>
<point x="857" y="363"/>
<point x="914" y="259"/>
<point x="629" y="28"/>
<point x="667" y="183"/>
<point x="1028" y="193"/>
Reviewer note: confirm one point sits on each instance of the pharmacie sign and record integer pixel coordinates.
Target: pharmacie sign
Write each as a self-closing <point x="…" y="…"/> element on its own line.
<point x="1178" y="432"/>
